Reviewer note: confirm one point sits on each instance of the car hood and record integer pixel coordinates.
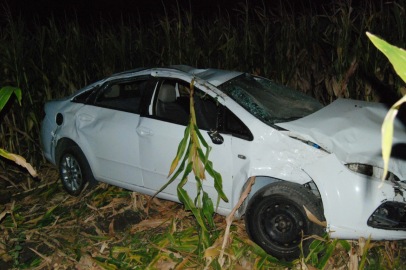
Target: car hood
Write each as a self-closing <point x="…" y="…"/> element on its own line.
<point x="352" y="130"/>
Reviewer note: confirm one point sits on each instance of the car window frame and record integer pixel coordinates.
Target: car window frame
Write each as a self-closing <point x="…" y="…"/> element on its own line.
<point x="221" y="113"/>
<point x="154" y="100"/>
<point x="92" y="91"/>
<point x="225" y="114"/>
<point x="161" y="81"/>
<point x="92" y="99"/>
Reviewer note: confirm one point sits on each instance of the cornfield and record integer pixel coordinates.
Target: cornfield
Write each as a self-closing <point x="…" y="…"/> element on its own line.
<point x="323" y="54"/>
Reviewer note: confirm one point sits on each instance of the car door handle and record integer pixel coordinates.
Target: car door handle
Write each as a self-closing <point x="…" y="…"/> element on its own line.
<point x="144" y="132"/>
<point x="86" y="118"/>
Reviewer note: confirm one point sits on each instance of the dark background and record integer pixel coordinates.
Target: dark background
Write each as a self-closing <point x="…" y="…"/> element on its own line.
<point x="86" y="11"/>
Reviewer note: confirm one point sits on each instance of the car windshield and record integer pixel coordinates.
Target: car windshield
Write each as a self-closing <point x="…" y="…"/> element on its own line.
<point x="268" y="101"/>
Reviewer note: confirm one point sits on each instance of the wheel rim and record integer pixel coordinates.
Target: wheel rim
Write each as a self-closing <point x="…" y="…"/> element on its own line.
<point x="71" y="173"/>
<point x="283" y="222"/>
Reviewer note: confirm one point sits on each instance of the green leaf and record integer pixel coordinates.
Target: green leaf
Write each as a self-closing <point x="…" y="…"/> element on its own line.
<point x="6" y="154"/>
<point x="364" y="254"/>
<point x="199" y="187"/>
<point x="208" y="209"/>
<point x="47" y="219"/>
<point x="189" y="205"/>
<point x="260" y="252"/>
<point x="218" y="183"/>
<point x="323" y="261"/>
<point x="239" y="252"/>
<point x="181" y="150"/>
<point x="315" y="247"/>
<point x="5" y="94"/>
<point x="104" y="265"/>
<point x="188" y="169"/>
<point x="387" y="134"/>
<point x="199" y="135"/>
<point x="396" y="56"/>
<point x="180" y="169"/>
<point x="260" y="263"/>
<point x="345" y="244"/>
<point x="204" y="241"/>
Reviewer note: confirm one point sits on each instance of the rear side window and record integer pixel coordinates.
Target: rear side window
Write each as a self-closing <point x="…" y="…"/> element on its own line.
<point x="123" y="96"/>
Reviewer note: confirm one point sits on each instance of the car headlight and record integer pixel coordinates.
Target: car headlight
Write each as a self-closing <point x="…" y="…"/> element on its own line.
<point x="370" y="170"/>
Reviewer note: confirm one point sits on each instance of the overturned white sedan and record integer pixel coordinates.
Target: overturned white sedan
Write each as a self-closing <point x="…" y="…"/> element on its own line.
<point x="125" y="130"/>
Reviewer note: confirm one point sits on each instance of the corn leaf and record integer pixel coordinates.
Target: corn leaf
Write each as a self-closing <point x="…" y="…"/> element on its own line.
<point x="181" y="150"/>
<point x="189" y="205"/>
<point x="397" y="57"/>
<point x="188" y="169"/>
<point x="260" y="252"/>
<point x="345" y="245"/>
<point x="329" y="252"/>
<point x="364" y="254"/>
<point x="180" y="169"/>
<point x="218" y="183"/>
<point x="202" y="140"/>
<point x="208" y="209"/>
<point x="387" y="134"/>
<point x="5" y="94"/>
<point x="204" y="241"/>
<point x="315" y="247"/>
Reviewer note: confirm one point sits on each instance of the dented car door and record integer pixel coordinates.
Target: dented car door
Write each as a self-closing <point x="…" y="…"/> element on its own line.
<point x="108" y="127"/>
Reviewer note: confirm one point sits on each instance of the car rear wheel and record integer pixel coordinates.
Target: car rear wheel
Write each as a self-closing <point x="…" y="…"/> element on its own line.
<point x="74" y="171"/>
<point x="275" y="219"/>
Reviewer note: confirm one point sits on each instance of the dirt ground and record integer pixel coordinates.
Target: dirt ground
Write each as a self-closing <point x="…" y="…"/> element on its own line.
<point x="50" y="229"/>
<point x="42" y="227"/>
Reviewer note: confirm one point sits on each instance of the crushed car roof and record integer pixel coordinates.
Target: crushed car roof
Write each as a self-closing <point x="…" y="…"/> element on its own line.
<point x="213" y="76"/>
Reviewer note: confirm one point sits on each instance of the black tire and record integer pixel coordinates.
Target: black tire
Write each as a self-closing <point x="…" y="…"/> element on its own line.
<point x="275" y="219"/>
<point x="74" y="171"/>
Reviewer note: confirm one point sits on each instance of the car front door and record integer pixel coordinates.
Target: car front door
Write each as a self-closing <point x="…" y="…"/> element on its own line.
<point x="162" y="129"/>
<point x="107" y="128"/>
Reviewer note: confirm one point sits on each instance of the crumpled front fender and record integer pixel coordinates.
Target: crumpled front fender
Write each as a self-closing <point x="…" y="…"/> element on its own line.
<point x="350" y="198"/>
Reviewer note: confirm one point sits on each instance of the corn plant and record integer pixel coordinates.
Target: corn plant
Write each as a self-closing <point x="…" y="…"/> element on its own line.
<point x="397" y="57"/>
<point x="5" y="94"/>
<point x="191" y="153"/>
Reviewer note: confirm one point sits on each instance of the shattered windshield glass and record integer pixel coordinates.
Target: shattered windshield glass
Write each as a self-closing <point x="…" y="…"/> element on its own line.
<point x="268" y="101"/>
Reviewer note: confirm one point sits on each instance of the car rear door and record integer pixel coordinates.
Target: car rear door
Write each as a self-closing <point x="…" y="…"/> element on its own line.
<point x="107" y="131"/>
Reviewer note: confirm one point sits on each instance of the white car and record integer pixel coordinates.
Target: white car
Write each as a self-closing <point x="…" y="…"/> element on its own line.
<point x="125" y="130"/>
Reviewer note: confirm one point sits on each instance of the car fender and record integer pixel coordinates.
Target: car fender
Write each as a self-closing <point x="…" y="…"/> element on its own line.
<point x="350" y="198"/>
<point x="273" y="156"/>
<point x="69" y="130"/>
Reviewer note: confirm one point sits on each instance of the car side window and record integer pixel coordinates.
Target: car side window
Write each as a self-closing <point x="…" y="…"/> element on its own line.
<point x="173" y="105"/>
<point x="82" y="97"/>
<point x="234" y="126"/>
<point x="123" y="96"/>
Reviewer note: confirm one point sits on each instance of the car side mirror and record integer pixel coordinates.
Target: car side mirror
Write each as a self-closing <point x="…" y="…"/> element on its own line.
<point x="215" y="137"/>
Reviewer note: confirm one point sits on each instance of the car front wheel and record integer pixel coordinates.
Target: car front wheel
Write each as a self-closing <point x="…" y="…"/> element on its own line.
<point x="74" y="170"/>
<point x="275" y="219"/>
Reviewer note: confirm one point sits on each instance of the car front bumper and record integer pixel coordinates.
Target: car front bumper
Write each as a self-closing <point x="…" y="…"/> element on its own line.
<point x="350" y="200"/>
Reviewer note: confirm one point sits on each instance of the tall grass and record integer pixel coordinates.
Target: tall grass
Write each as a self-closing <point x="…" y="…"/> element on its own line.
<point x="322" y="54"/>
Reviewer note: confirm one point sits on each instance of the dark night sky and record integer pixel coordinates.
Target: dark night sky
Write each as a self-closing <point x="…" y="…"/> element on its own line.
<point x="108" y="9"/>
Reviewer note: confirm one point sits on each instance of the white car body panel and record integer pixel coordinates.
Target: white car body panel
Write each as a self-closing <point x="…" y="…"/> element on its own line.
<point x="346" y="129"/>
<point x="354" y="197"/>
<point x="112" y="137"/>
<point x="159" y="150"/>
<point x="352" y="130"/>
